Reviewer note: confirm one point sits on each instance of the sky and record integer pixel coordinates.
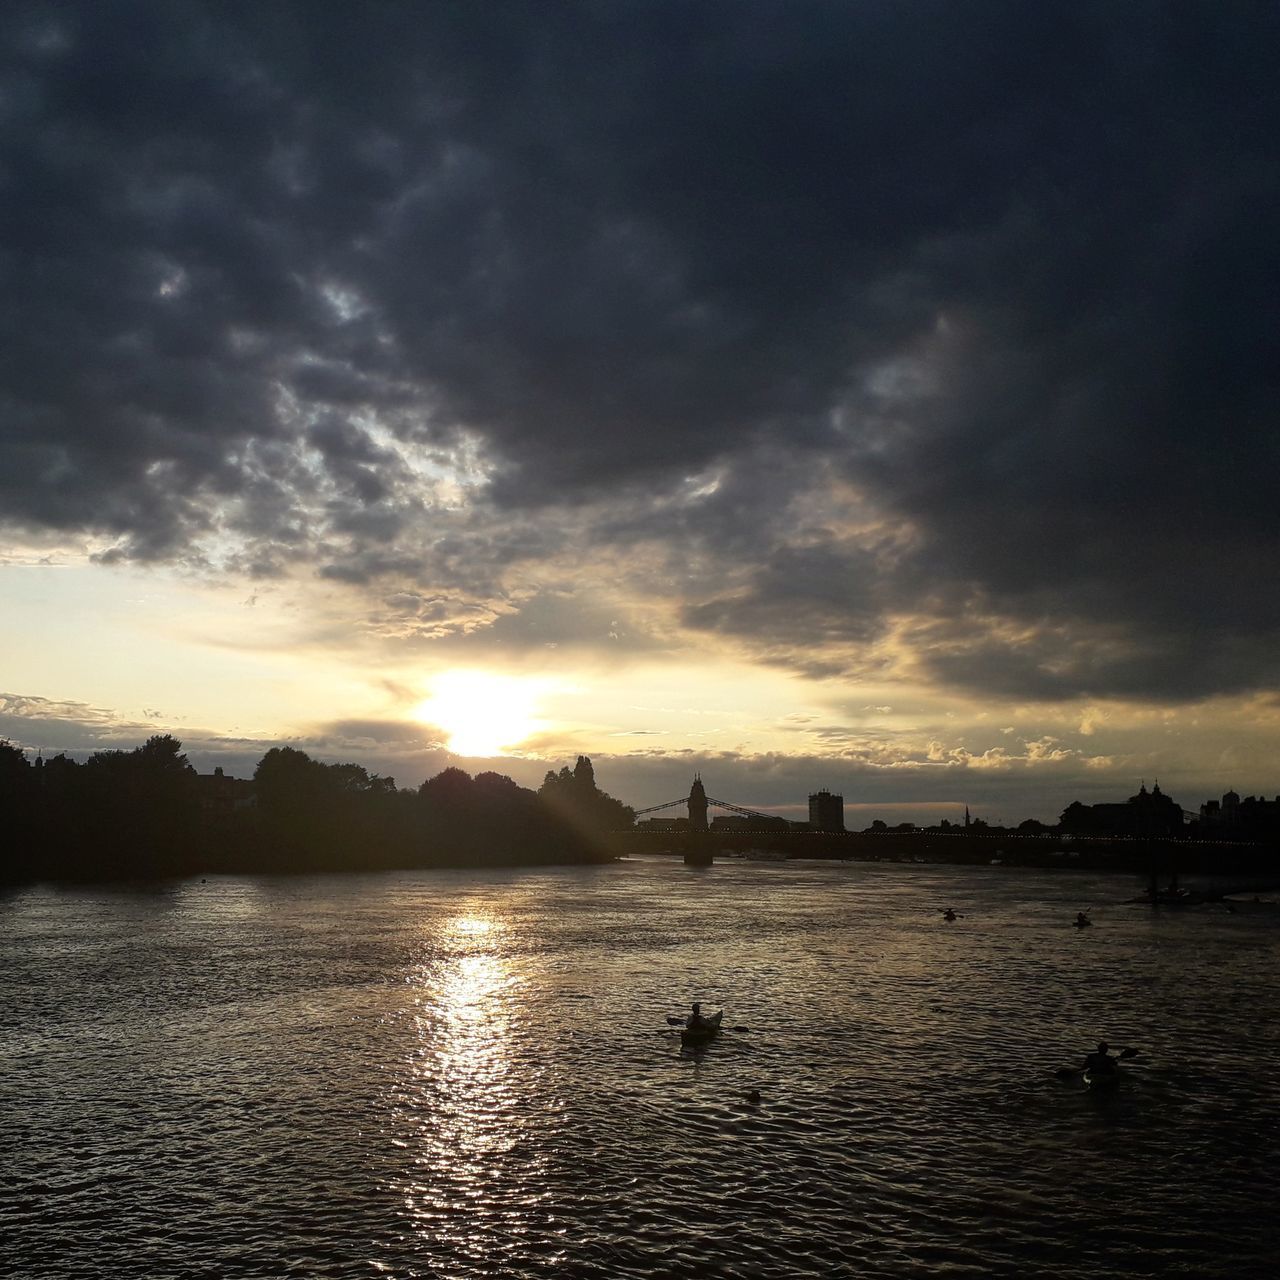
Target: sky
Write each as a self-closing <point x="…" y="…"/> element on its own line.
<point x="871" y="396"/>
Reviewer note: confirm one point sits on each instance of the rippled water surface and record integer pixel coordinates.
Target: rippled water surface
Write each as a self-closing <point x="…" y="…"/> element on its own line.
<point x="470" y="1074"/>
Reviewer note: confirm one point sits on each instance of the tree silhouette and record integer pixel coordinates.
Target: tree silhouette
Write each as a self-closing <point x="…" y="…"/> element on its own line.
<point x="145" y="813"/>
<point x="576" y="798"/>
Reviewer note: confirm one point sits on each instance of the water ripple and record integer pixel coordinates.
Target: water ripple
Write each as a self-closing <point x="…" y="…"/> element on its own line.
<point x="467" y="1075"/>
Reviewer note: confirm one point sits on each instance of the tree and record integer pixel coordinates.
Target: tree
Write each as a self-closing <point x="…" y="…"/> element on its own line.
<point x="17" y="810"/>
<point x="287" y="781"/>
<point x="131" y="813"/>
<point x="449" y="789"/>
<point x="576" y="798"/>
<point x="13" y="768"/>
<point x="584" y="776"/>
<point x="497" y="788"/>
<point x="136" y="812"/>
<point x="328" y="815"/>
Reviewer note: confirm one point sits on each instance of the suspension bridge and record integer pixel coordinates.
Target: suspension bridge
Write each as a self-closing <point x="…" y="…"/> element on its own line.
<point x="696" y="837"/>
<point x="698" y="802"/>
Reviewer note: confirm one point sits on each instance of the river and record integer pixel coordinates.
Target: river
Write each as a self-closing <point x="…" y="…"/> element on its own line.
<point x="459" y="1074"/>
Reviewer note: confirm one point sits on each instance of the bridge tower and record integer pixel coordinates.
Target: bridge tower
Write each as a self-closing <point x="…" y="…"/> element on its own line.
<point x="697" y="805"/>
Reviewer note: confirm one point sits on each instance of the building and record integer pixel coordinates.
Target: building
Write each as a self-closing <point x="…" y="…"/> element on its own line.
<point x="1253" y="818"/>
<point x="757" y="822"/>
<point x="826" y="811"/>
<point x="1148" y="814"/>
<point x="663" y="824"/>
<point x="220" y="794"/>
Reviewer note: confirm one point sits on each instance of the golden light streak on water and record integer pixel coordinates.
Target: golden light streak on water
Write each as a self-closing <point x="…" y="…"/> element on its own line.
<point x="464" y="1089"/>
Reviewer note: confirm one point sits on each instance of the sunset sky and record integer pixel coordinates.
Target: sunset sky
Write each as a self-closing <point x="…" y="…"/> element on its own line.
<point x="877" y="396"/>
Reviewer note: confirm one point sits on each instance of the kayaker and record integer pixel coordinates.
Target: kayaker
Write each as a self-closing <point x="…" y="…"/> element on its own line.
<point x="695" y="1021"/>
<point x="1081" y="920"/>
<point x="1101" y="1063"/>
<point x="949" y="914"/>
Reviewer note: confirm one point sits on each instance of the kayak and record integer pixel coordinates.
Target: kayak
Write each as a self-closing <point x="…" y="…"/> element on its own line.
<point x="1101" y="1079"/>
<point x="692" y="1035"/>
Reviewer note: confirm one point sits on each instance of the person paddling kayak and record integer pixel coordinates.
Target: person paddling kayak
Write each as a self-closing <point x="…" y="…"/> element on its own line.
<point x="1101" y="1068"/>
<point x="699" y="1028"/>
<point x="695" y="1021"/>
<point x="1100" y="1062"/>
<point x="1082" y="920"/>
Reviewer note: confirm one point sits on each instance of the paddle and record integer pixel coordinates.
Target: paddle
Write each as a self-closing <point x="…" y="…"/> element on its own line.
<point x="1065" y="1073"/>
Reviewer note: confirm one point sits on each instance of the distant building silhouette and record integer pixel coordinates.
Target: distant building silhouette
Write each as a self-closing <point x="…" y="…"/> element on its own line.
<point x="662" y="824"/>
<point x="1234" y="819"/>
<point x="826" y="811"/>
<point x="1149" y="813"/>
<point x="220" y="794"/>
<point x="727" y="824"/>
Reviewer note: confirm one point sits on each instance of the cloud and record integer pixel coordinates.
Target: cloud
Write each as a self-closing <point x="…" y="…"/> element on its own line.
<point x="945" y="325"/>
<point x="79" y="729"/>
<point x="58" y="725"/>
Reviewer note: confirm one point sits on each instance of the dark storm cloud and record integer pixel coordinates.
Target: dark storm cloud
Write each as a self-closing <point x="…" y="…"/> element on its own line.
<point x="1008" y="269"/>
<point x="814" y="603"/>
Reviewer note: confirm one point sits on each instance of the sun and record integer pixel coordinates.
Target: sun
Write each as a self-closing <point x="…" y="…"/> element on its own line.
<point x="481" y="714"/>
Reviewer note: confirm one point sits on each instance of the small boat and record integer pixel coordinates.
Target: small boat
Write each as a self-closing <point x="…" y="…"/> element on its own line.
<point x="695" y="1035"/>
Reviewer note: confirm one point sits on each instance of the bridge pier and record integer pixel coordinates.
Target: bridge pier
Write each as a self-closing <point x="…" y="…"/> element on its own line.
<point x="699" y="850"/>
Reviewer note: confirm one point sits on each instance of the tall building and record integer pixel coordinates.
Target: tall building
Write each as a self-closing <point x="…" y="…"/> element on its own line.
<point x="826" y="811"/>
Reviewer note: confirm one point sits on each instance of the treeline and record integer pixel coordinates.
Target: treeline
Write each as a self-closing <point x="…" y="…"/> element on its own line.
<point x="146" y="813"/>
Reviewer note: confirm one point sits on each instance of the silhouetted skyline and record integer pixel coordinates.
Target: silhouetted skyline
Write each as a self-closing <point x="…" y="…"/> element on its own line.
<point x="147" y="813"/>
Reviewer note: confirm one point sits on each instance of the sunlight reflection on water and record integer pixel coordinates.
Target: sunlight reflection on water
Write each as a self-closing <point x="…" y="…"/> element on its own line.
<point x="476" y="1159"/>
